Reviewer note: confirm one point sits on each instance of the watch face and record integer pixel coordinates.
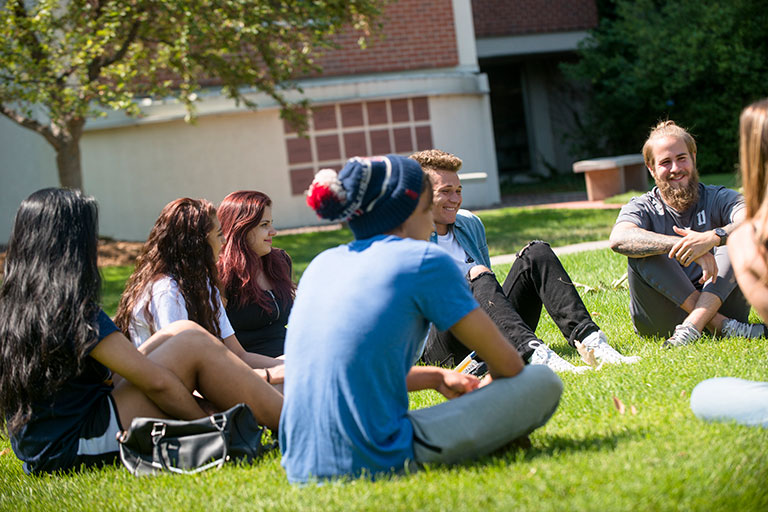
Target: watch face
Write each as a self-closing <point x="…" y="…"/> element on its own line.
<point x="722" y="234"/>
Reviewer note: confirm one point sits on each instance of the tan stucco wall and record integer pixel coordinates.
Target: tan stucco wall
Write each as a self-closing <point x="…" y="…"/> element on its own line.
<point x="461" y="125"/>
<point x="27" y="163"/>
<point x="134" y="170"/>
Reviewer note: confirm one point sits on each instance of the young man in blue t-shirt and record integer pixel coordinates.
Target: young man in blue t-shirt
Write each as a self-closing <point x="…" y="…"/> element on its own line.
<point x="361" y="314"/>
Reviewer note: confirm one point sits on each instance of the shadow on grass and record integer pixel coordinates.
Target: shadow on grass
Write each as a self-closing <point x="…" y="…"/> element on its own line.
<point x="555" y="445"/>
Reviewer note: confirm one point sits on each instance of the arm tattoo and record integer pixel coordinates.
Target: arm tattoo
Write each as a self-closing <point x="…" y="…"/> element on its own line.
<point x="639" y="243"/>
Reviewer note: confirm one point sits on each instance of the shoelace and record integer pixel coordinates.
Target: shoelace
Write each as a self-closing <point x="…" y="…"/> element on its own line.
<point x="683" y="335"/>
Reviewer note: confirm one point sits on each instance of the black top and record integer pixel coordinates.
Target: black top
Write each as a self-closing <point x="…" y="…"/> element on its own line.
<point x="260" y="331"/>
<point x="49" y="441"/>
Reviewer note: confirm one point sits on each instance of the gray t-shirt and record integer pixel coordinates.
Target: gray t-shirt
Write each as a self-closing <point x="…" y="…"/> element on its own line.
<point x="715" y="208"/>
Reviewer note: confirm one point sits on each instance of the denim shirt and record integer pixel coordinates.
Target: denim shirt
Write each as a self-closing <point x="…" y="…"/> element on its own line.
<point x="470" y="233"/>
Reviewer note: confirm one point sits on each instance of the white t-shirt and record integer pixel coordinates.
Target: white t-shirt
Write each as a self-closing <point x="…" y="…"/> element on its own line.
<point x="168" y="306"/>
<point x="451" y="245"/>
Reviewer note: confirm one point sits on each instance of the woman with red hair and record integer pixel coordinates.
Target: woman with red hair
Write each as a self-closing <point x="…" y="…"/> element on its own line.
<point x="175" y="279"/>
<point x="255" y="278"/>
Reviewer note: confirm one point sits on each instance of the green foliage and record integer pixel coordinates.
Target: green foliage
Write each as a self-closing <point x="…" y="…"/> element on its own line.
<point x="696" y="63"/>
<point x="64" y="61"/>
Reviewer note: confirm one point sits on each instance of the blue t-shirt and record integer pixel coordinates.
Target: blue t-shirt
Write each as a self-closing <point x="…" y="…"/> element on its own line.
<point x="49" y="440"/>
<point x="361" y="313"/>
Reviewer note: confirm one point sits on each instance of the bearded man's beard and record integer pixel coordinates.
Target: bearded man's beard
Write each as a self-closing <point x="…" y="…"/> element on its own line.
<point x="681" y="198"/>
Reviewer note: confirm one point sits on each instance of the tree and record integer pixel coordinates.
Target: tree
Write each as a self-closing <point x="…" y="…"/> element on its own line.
<point x="698" y="63"/>
<point x="63" y="61"/>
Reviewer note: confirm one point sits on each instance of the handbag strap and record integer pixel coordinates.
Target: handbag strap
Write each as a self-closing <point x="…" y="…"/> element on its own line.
<point x="219" y="421"/>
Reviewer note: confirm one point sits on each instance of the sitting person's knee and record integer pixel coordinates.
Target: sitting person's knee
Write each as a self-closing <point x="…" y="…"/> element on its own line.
<point x="194" y="337"/>
<point x="180" y="326"/>
<point x="536" y="249"/>
<point x="477" y="271"/>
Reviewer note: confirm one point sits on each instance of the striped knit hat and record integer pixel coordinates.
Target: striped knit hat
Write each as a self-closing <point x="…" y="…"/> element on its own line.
<point x="375" y="195"/>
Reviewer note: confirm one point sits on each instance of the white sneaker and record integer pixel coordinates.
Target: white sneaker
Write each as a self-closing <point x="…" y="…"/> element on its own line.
<point x="598" y="342"/>
<point x="542" y="354"/>
<point x="732" y="328"/>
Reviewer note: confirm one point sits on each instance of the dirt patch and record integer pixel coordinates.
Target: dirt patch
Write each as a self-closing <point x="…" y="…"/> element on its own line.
<point x="114" y="253"/>
<point x="111" y="253"/>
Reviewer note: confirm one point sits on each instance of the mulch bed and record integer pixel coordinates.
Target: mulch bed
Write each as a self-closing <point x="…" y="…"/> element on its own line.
<point x="111" y="253"/>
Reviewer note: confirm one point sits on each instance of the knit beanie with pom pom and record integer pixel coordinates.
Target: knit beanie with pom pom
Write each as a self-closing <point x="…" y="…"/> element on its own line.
<point x="375" y="195"/>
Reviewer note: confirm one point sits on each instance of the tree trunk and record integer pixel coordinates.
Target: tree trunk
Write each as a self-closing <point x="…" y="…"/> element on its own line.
<point x="68" y="156"/>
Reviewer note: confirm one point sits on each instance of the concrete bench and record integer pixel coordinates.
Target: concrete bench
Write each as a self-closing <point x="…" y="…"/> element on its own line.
<point x="613" y="175"/>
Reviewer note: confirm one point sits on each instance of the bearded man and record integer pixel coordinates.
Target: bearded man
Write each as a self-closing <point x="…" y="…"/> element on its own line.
<point x="679" y="273"/>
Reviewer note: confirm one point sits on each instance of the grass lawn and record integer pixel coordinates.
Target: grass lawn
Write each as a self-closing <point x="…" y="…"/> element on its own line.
<point x="588" y="457"/>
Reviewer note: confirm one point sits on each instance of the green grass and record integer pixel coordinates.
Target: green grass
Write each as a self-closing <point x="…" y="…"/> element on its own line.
<point x="508" y="229"/>
<point x="588" y="457"/>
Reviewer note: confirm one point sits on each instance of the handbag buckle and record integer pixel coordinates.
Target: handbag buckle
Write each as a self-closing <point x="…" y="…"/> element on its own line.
<point x="219" y="421"/>
<point x="158" y="431"/>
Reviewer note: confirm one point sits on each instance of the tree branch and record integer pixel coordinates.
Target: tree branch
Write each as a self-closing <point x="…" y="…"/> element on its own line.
<point x="29" y="37"/>
<point x="30" y="124"/>
<point x="94" y="68"/>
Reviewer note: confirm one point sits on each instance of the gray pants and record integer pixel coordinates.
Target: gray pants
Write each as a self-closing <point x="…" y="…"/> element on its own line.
<point x="730" y="399"/>
<point x="479" y="422"/>
<point x="658" y="286"/>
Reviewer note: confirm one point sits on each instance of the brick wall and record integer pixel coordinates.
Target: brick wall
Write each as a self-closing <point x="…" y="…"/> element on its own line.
<point x="416" y="34"/>
<point x="495" y="18"/>
<point x="340" y="131"/>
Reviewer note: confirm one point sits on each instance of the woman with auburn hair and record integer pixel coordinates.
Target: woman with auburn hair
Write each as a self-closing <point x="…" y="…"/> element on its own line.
<point x="255" y="278"/>
<point x="729" y="398"/>
<point x="175" y="279"/>
<point x="69" y="380"/>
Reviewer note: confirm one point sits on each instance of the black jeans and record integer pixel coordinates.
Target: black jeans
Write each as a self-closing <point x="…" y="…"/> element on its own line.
<point x="536" y="279"/>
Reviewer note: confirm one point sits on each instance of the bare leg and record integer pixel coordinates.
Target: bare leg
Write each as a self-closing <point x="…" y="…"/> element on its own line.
<point x="201" y="362"/>
<point x="702" y="309"/>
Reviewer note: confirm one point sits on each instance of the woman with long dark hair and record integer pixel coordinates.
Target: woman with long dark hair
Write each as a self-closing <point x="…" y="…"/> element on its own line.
<point x="255" y="277"/>
<point x="175" y="279"/>
<point x="69" y="380"/>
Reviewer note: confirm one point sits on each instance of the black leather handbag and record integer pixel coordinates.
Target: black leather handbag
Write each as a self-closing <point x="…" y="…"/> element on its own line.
<point x="155" y="445"/>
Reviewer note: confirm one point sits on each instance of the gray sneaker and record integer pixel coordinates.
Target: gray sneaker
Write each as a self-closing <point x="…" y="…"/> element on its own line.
<point x="732" y="328"/>
<point x="684" y="334"/>
<point x="542" y="354"/>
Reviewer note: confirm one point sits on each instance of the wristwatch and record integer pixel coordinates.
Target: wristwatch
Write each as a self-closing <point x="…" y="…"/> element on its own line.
<point x="723" y="234"/>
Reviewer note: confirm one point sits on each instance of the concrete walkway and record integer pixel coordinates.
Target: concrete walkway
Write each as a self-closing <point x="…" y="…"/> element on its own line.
<point x="566" y="249"/>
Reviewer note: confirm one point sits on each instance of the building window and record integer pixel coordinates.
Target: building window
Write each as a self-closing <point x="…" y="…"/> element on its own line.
<point x="340" y="131"/>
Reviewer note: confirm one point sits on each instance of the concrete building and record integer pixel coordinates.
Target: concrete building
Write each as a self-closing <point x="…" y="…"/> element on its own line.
<point x="428" y="82"/>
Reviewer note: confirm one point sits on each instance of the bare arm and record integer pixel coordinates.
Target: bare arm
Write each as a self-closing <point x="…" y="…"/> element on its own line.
<point x="748" y="258"/>
<point x="448" y="382"/>
<point x="693" y="244"/>
<point x="158" y="383"/>
<point x="635" y="242"/>
<point x="257" y="361"/>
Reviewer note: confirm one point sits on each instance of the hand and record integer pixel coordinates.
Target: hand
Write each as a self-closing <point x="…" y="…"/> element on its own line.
<point x="486" y="380"/>
<point x="708" y="266"/>
<point x="455" y="384"/>
<point x="692" y="245"/>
